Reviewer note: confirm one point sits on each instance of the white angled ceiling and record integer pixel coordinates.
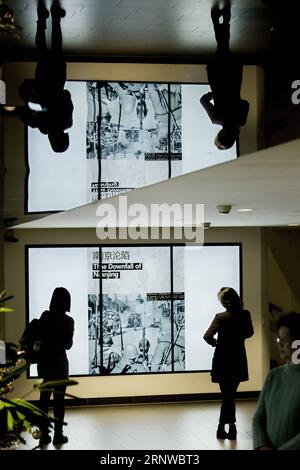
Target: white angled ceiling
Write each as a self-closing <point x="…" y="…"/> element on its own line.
<point x="267" y="181"/>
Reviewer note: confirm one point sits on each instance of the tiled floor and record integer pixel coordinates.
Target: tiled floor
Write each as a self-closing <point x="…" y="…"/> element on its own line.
<point x="179" y="426"/>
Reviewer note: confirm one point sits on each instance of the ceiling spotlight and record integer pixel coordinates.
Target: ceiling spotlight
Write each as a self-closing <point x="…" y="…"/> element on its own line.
<point x="244" y="209"/>
<point x="205" y="225"/>
<point x="223" y="209"/>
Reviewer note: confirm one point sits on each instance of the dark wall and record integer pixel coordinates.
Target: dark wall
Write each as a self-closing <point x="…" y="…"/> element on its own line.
<point x="1" y="218"/>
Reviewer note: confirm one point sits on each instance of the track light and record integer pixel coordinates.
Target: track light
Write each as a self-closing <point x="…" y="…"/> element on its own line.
<point x="206" y="225"/>
<point x="223" y="209"/>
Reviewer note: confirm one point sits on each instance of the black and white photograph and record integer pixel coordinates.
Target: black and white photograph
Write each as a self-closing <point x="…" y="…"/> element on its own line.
<point x="137" y="335"/>
<point x="134" y="121"/>
<point x="148" y="133"/>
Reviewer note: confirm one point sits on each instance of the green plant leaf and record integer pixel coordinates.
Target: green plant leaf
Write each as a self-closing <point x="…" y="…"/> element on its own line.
<point x="26" y="404"/>
<point x="35" y="416"/>
<point x="3" y="298"/>
<point x="71" y="396"/>
<point x="55" y="383"/>
<point x="15" y="372"/>
<point x="27" y="425"/>
<point x="20" y="415"/>
<point x="38" y="383"/>
<point x="10" y="421"/>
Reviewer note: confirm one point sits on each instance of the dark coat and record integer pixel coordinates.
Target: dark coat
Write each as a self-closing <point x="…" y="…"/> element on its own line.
<point x="47" y="89"/>
<point x="57" y="336"/>
<point x="232" y="115"/>
<point x="229" y="360"/>
<point x="56" y="115"/>
<point x="225" y="79"/>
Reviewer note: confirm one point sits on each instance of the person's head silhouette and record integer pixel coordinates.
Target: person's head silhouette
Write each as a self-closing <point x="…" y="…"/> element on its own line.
<point x="47" y="88"/>
<point x="59" y="141"/>
<point x="223" y="103"/>
<point x="226" y="137"/>
<point x="229" y="298"/>
<point x="60" y="300"/>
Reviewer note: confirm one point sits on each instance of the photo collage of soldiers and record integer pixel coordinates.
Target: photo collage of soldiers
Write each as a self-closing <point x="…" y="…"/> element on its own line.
<point x="138" y="334"/>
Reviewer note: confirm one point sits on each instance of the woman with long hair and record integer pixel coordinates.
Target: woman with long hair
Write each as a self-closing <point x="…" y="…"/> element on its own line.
<point x="229" y="365"/>
<point x="57" y="329"/>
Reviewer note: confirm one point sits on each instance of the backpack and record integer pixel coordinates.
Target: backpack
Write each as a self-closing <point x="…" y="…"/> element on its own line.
<point x="31" y="341"/>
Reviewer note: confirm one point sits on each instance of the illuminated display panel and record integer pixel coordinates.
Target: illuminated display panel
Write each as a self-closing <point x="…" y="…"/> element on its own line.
<point x="124" y="136"/>
<point x="143" y="309"/>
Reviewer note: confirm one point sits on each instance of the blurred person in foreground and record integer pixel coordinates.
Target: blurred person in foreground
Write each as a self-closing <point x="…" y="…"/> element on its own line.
<point x="276" y="423"/>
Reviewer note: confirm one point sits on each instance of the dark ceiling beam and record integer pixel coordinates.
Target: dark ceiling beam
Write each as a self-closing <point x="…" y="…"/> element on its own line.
<point x="249" y="59"/>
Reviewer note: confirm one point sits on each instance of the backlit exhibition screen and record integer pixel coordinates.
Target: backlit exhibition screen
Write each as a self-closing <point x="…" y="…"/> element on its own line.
<point x="124" y="136"/>
<point x="137" y="309"/>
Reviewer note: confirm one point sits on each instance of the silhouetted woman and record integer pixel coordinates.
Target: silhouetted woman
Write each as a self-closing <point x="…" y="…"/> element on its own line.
<point x="57" y="329"/>
<point x="229" y="365"/>
<point x="223" y="104"/>
<point x="47" y="88"/>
